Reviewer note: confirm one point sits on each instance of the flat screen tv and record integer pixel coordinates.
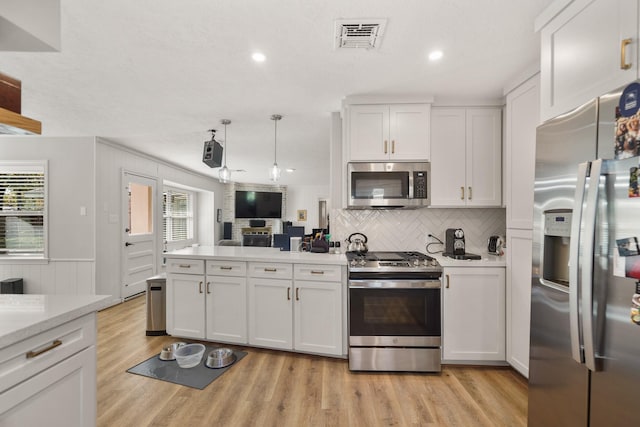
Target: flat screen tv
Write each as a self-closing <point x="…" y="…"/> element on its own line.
<point x="258" y="204"/>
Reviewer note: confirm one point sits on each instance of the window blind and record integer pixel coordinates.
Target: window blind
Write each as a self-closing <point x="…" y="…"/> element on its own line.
<point x="22" y="208"/>
<point x="177" y="215"/>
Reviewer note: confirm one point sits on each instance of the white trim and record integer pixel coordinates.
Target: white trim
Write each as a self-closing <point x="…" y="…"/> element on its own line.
<point x="553" y="10"/>
<point x="387" y="99"/>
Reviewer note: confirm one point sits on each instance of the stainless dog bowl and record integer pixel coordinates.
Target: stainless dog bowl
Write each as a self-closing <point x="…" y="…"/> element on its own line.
<point x="220" y="358"/>
<point x="167" y="352"/>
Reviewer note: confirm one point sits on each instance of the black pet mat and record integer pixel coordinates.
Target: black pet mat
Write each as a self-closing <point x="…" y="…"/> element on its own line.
<point x="168" y="370"/>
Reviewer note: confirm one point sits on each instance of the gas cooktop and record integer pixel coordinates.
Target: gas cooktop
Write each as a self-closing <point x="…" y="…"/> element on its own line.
<point x="399" y="262"/>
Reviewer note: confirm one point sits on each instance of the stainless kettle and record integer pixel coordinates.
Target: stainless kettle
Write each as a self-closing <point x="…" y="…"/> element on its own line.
<point x="357" y="244"/>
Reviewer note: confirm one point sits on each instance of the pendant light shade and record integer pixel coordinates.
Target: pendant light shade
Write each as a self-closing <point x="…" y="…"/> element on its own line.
<point x="274" y="172"/>
<point x="224" y="174"/>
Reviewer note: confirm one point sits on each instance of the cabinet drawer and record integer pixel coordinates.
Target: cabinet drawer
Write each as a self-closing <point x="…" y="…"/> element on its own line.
<point x="324" y="273"/>
<point x="185" y="266"/>
<point x="271" y="270"/>
<point x="227" y="268"/>
<point x="37" y="353"/>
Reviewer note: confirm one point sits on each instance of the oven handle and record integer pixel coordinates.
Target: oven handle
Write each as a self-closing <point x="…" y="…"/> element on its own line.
<point x="395" y="284"/>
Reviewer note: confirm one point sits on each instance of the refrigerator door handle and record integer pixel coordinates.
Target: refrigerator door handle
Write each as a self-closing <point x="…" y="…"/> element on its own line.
<point x="574" y="265"/>
<point x="586" y="284"/>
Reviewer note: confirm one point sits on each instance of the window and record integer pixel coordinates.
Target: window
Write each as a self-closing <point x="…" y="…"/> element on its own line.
<point x="23" y="208"/>
<point x="177" y="214"/>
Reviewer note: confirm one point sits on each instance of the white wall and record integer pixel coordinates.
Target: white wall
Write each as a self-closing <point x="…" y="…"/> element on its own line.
<point x="71" y="241"/>
<point x="110" y="161"/>
<point x="305" y="197"/>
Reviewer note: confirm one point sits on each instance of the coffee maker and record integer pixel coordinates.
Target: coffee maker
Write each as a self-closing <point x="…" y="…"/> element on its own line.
<point x="454" y="242"/>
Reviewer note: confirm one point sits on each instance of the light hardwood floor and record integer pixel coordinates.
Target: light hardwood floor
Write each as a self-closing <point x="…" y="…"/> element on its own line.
<point x="273" y="388"/>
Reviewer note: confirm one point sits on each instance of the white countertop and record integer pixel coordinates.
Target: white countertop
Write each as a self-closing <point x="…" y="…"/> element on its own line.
<point x="22" y="316"/>
<point x="486" y="261"/>
<point x="254" y="253"/>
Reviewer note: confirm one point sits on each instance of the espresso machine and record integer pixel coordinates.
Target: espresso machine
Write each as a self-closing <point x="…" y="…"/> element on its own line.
<point x="454" y="245"/>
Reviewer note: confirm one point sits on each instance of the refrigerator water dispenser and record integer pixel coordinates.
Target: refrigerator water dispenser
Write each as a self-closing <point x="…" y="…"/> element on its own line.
<point x="555" y="259"/>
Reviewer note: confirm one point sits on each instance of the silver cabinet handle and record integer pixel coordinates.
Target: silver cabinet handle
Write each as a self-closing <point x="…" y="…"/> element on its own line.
<point x="35" y="353"/>
<point x="623" y="54"/>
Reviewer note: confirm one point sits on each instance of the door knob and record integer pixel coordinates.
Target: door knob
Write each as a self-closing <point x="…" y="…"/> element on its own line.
<point x="129" y="244"/>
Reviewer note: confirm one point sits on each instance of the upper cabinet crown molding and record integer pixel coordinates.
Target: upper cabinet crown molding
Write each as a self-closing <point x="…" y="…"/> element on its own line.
<point x="387" y="99"/>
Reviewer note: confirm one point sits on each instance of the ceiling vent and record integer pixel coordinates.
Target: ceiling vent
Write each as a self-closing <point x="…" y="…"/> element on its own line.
<point x="359" y="33"/>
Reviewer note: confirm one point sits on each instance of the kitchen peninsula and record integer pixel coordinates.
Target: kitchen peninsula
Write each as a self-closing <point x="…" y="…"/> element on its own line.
<point x="48" y="359"/>
<point x="259" y="296"/>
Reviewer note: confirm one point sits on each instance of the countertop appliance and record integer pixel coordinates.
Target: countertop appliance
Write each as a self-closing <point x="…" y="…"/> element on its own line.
<point x="388" y="185"/>
<point x="495" y="245"/>
<point x="394" y="312"/>
<point x="454" y="245"/>
<point x="585" y="299"/>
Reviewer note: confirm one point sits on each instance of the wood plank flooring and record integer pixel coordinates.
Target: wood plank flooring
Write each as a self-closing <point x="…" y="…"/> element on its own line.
<point x="273" y="388"/>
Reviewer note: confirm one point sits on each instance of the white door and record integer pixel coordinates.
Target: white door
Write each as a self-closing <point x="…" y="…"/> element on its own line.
<point x="139" y="233"/>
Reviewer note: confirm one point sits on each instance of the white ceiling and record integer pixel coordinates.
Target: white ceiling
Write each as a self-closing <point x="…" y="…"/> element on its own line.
<point x="155" y="75"/>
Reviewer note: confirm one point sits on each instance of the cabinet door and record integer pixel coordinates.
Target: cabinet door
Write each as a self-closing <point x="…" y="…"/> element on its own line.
<point x="227" y="309"/>
<point x="581" y="53"/>
<point x="521" y="117"/>
<point x="185" y="305"/>
<point x="63" y="395"/>
<point x="474" y="314"/>
<point x="318" y="317"/>
<point x="369" y="132"/>
<point x="484" y="157"/>
<point x="409" y="131"/>
<point x="518" y="298"/>
<point x="270" y="313"/>
<point x="448" y="157"/>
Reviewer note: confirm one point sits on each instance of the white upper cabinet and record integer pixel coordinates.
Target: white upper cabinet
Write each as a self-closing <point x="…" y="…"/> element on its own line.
<point x="588" y="49"/>
<point x="466" y="157"/>
<point x="383" y="132"/>
<point x="522" y="118"/>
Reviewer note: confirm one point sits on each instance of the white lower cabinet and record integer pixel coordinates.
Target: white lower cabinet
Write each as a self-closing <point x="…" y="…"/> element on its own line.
<point x="50" y="378"/>
<point x="276" y="305"/>
<point x="304" y="314"/>
<point x="211" y="306"/>
<point x="473" y="314"/>
<point x="270" y="313"/>
<point x="186" y="305"/>
<point x="318" y="325"/>
<point x="519" y="298"/>
<point x="63" y="395"/>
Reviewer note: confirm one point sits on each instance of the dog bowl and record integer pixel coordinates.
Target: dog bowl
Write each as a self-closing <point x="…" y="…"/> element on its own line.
<point x="189" y="355"/>
<point x="167" y="352"/>
<point x="220" y="358"/>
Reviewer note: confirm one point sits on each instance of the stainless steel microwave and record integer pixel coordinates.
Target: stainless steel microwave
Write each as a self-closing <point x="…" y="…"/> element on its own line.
<point x="388" y="185"/>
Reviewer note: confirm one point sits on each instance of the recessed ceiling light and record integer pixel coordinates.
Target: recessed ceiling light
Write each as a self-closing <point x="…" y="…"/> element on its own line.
<point x="258" y="57"/>
<point x="435" y="55"/>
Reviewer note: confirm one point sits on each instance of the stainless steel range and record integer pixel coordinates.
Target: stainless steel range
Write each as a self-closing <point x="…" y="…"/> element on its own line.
<point x="394" y="312"/>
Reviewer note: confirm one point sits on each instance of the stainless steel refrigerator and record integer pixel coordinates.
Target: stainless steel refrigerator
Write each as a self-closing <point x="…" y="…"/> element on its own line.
<point x="585" y="343"/>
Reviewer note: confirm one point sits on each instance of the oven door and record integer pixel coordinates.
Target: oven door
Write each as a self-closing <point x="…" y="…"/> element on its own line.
<point x="394" y="313"/>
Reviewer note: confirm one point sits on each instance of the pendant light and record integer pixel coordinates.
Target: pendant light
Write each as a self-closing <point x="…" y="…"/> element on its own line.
<point x="224" y="174"/>
<point x="274" y="172"/>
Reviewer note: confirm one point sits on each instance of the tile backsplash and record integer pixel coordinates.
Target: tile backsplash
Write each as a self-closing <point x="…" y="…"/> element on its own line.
<point x="399" y="230"/>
